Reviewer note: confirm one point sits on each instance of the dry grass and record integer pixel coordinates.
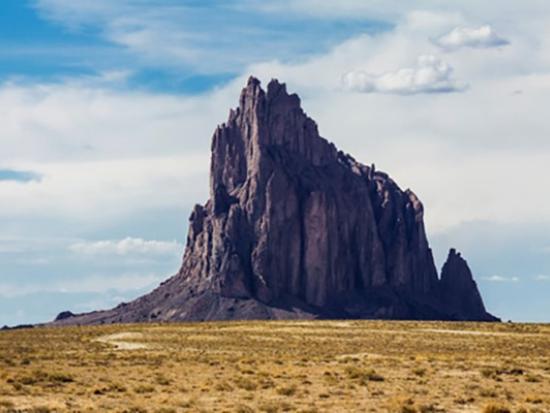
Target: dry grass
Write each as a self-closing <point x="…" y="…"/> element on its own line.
<point x="293" y="366"/>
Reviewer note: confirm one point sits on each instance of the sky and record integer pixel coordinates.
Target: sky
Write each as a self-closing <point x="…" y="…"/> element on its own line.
<point x="107" y="110"/>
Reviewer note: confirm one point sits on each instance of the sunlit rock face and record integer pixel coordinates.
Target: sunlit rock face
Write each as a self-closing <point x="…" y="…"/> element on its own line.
<point x="295" y="228"/>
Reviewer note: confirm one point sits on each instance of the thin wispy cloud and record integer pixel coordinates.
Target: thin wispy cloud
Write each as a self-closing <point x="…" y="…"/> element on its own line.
<point x="501" y="279"/>
<point x="90" y="284"/>
<point x="209" y="38"/>
<point x="127" y="246"/>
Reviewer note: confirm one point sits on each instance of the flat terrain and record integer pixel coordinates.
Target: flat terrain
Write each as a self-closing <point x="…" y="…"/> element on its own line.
<point x="309" y="366"/>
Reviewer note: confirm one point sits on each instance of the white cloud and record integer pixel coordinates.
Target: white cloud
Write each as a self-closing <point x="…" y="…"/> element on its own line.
<point x="84" y="119"/>
<point x="125" y="146"/>
<point x="476" y="37"/>
<point x="102" y="149"/>
<point x="469" y="156"/>
<point x="430" y="75"/>
<point x="102" y="191"/>
<point x="460" y="152"/>
<point x="501" y="279"/>
<point x="127" y="246"/>
<point x="542" y="277"/>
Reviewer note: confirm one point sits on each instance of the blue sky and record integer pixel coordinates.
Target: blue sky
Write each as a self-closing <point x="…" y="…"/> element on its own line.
<point x="107" y="109"/>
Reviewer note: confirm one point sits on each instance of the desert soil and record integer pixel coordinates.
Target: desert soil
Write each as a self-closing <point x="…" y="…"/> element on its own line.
<point x="294" y="366"/>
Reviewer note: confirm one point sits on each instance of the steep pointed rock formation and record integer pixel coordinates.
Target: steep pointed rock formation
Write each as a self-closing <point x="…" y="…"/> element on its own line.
<point x="459" y="290"/>
<point x="295" y="228"/>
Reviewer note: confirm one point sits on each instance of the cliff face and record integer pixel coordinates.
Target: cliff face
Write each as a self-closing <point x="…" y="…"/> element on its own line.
<point x="295" y="228"/>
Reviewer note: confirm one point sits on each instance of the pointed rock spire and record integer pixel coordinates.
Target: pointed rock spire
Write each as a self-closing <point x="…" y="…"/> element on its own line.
<point x="459" y="290"/>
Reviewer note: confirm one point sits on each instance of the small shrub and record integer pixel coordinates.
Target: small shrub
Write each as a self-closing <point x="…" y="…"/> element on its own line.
<point x="223" y="386"/>
<point x="245" y="384"/>
<point x="135" y="409"/>
<point x="60" y="378"/>
<point x="242" y="408"/>
<point x="111" y="388"/>
<point x="267" y="384"/>
<point x="407" y="408"/>
<point x="489" y="372"/>
<point x="39" y="377"/>
<point x="275" y="407"/>
<point x="420" y="372"/>
<point x="269" y="407"/>
<point x="532" y="379"/>
<point x="490" y="393"/>
<point x="40" y="409"/>
<point x="372" y="375"/>
<point x="495" y="372"/>
<point x="533" y="400"/>
<point x="287" y="391"/>
<point x="189" y="403"/>
<point x="363" y="376"/>
<point x="142" y="389"/>
<point x="493" y="408"/>
<point x="7" y="404"/>
<point x="162" y="380"/>
<point x="430" y="408"/>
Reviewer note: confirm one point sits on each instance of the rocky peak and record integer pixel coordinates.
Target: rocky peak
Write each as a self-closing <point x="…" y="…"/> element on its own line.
<point x="455" y="271"/>
<point x="295" y="228"/>
<point x="459" y="290"/>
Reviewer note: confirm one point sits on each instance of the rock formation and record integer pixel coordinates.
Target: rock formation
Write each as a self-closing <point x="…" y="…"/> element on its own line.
<point x="459" y="290"/>
<point x="295" y="228"/>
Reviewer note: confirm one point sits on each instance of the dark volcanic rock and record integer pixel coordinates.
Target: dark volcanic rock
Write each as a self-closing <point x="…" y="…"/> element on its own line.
<point x="459" y="290"/>
<point x="64" y="315"/>
<point x="295" y="228"/>
<point x="18" y="327"/>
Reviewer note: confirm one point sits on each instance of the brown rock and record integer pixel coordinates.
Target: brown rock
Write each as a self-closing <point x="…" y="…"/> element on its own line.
<point x="295" y="228"/>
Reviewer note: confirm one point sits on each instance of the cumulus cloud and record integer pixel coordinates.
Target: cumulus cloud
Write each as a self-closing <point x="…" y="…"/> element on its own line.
<point x="482" y="37"/>
<point x="127" y="246"/>
<point x="501" y="279"/>
<point x="429" y="75"/>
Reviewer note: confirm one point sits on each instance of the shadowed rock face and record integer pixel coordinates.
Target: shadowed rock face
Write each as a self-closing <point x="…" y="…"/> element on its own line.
<point x="459" y="290"/>
<point x="295" y="228"/>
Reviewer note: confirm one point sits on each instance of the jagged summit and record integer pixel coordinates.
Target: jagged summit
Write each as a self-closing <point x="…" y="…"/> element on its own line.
<point x="295" y="228"/>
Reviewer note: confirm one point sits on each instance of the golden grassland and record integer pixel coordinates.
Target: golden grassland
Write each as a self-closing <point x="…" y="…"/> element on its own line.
<point x="282" y="366"/>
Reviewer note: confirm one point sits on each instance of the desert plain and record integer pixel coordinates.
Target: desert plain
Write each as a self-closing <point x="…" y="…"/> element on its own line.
<point x="278" y="366"/>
